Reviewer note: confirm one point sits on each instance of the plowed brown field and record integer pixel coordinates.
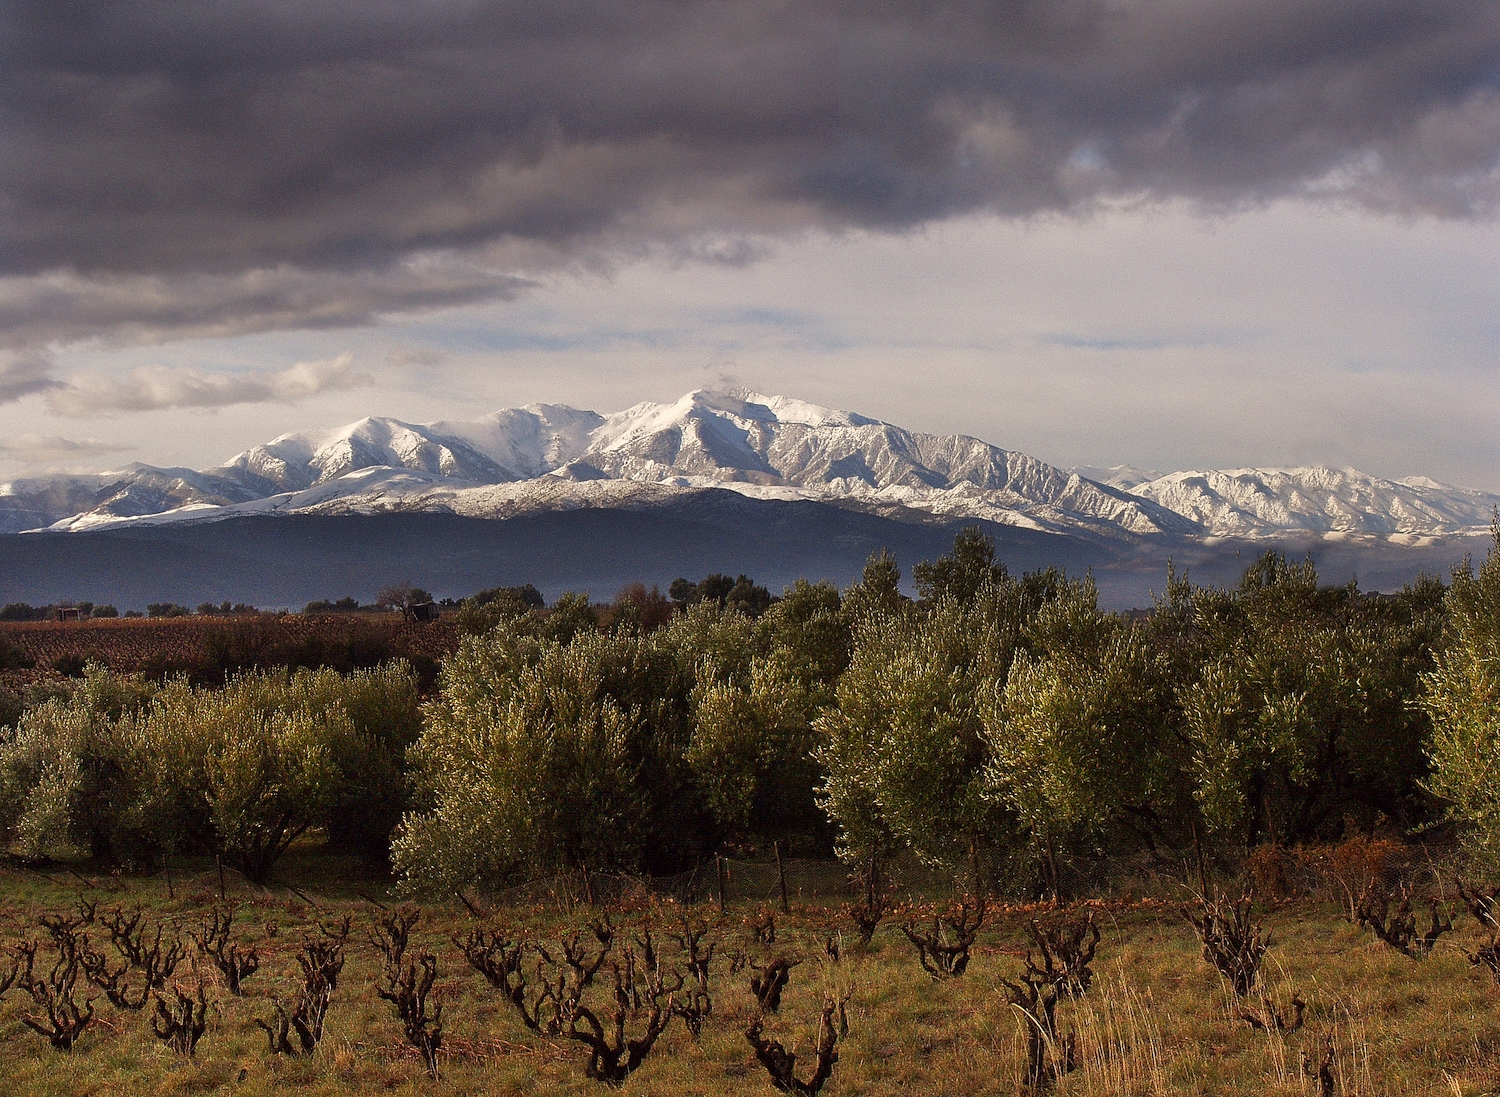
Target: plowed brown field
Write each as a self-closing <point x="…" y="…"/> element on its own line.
<point x="133" y="644"/>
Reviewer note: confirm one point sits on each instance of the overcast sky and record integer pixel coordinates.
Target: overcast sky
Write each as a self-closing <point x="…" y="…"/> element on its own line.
<point x="1174" y="234"/>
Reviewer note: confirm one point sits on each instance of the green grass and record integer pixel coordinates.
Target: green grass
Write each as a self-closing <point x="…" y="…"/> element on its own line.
<point x="1157" y="1020"/>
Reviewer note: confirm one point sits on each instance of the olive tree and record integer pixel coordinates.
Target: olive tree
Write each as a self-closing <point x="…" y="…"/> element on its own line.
<point x="964" y="572"/>
<point x="123" y="771"/>
<point x="368" y="751"/>
<point x="240" y="772"/>
<point x="754" y="705"/>
<point x="525" y="765"/>
<point x="269" y="777"/>
<point x="1462" y="698"/>
<point x="69" y="779"/>
<point x="1298" y="712"/>
<point x="877" y="592"/>
<point x="752" y="748"/>
<point x="904" y="749"/>
<point x="1077" y="736"/>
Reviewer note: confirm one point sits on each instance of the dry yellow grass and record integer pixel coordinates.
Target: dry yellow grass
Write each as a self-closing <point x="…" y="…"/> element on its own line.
<point x="1156" y="1021"/>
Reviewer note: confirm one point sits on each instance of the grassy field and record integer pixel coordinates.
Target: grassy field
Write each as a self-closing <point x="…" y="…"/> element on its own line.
<point x="1157" y="1020"/>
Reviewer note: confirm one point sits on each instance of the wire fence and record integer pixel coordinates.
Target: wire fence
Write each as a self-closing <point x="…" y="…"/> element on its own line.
<point x="728" y="880"/>
<point x="1337" y="873"/>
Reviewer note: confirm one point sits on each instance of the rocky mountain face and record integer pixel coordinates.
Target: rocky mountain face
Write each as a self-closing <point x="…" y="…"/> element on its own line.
<point x="548" y="458"/>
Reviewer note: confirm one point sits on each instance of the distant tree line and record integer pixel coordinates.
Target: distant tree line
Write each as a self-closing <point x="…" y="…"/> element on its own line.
<point x="223" y="609"/>
<point x="21" y="611"/>
<point x="998" y="719"/>
<point x="741" y="593"/>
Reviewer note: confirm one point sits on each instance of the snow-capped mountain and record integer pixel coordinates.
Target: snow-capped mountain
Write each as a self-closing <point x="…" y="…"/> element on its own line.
<point x="787" y="448"/>
<point x="514" y="444"/>
<point x="133" y="491"/>
<point x="1257" y="503"/>
<point x="550" y="457"/>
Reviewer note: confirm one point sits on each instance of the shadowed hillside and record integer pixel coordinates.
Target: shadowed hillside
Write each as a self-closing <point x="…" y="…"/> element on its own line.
<point x="289" y="560"/>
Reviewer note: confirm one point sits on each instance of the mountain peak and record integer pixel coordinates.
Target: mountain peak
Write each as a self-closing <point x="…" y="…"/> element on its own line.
<point x="765" y="446"/>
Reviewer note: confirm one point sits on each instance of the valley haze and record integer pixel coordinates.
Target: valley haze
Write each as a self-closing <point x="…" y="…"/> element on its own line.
<point x="716" y="481"/>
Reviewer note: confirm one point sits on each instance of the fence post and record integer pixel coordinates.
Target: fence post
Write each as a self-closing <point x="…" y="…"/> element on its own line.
<point x="719" y="868"/>
<point x="780" y="877"/>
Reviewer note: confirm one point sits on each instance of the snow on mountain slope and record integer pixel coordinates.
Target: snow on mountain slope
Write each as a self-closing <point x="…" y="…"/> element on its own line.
<point x="134" y="490"/>
<point x="1117" y="476"/>
<point x="296" y="461"/>
<point x="746" y="438"/>
<point x="546" y="456"/>
<point x="361" y="491"/>
<point x="1266" y="502"/>
<point x="532" y="440"/>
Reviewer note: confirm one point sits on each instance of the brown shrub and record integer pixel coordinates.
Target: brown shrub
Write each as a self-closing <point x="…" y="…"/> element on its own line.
<point x="1273" y="872"/>
<point x="1362" y="869"/>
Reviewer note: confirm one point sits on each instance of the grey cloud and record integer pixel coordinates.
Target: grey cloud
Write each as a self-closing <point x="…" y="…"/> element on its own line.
<point x="64" y="305"/>
<point x="23" y="373"/>
<point x="326" y="143"/>
<point x="46" y="449"/>
<point x="154" y="387"/>
<point x="415" y="356"/>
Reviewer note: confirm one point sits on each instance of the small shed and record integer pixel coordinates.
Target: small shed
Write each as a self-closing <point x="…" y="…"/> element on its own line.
<point x="425" y="611"/>
<point x="67" y="613"/>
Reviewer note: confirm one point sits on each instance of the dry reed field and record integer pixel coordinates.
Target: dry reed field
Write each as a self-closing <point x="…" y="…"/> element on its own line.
<point x="1333" y="1009"/>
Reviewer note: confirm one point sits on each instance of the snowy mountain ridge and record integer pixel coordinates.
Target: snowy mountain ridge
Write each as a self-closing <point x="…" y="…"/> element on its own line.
<point x="1260" y="502"/>
<point x="544" y="457"/>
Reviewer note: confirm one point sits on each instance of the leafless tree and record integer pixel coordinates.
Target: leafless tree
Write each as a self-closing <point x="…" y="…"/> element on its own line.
<point x="1398" y="928"/>
<point x="321" y="960"/>
<point x="60" y="1017"/>
<point x="1232" y="941"/>
<point x="402" y="596"/>
<point x="944" y="950"/>
<point x="1067" y="948"/>
<point x="1048" y="1055"/>
<point x="613" y="1054"/>
<point x="781" y="1064"/>
<point x="180" y="1023"/>
<point x="406" y="983"/>
<point x="768" y="980"/>
<point x="235" y="963"/>
<point x="1324" y="1070"/>
<point x="1269" y="1019"/>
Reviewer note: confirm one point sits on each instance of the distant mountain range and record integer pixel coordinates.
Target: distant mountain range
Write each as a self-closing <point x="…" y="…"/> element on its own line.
<point x="546" y="457"/>
<point x="715" y="481"/>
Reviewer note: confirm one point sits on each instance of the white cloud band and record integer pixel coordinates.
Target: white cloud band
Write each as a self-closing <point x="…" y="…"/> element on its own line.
<point x="47" y="449"/>
<point x="150" y="388"/>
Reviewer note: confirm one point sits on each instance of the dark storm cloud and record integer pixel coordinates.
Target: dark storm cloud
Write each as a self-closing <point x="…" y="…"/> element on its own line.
<point x="300" y="155"/>
<point x="67" y="305"/>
